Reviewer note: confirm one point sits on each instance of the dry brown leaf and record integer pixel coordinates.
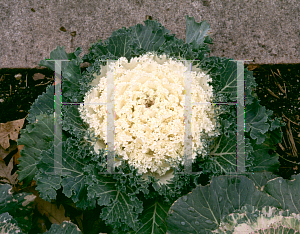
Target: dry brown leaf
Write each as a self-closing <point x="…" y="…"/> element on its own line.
<point x="5" y="173"/>
<point x="79" y="219"/>
<point x="10" y="131"/>
<point x="251" y="67"/>
<point x="4" y="153"/>
<point x="85" y="64"/>
<point x="18" y="155"/>
<point x="51" y="211"/>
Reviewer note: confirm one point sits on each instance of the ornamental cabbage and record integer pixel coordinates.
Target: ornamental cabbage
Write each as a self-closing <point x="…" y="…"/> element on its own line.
<point x="149" y="130"/>
<point x="149" y="111"/>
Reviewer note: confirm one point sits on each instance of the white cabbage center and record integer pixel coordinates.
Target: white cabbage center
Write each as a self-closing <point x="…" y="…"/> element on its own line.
<point x="149" y="111"/>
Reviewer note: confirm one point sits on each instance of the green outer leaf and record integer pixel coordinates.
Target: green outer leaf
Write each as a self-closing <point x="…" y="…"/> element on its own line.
<point x="125" y="42"/>
<point x="275" y="124"/>
<point x="72" y="121"/>
<point x="119" y="43"/>
<point x="203" y="209"/>
<point x="47" y="185"/>
<point x="74" y="184"/>
<point x="70" y="82"/>
<point x="177" y="186"/>
<point x="76" y="188"/>
<point x="262" y="159"/>
<point x="223" y="71"/>
<point x="258" y="157"/>
<point x="35" y="138"/>
<point x="196" y="33"/>
<point x="66" y="227"/>
<point x="176" y="48"/>
<point x="250" y="86"/>
<point x="153" y="217"/>
<point x="149" y="37"/>
<point x="71" y="72"/>
<point x="60" y="54"/>
<point x="96" y="50"/>
<point x="44" y="104"/>
<point x="225" y="153"/>
<point x="257" y="121"/>
<point x="131" y="178"/>
<point x="256" y="118"/>
<point x="173" y="46"/>
<point x="138" y="39"/>
<point x="286" y="192"/>
<point x="18" y="206"/>
<point x="120" y="207"/>
<point x="260" y="179"/>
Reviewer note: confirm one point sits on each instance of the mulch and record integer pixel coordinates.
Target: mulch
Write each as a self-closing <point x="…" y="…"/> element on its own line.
<point x="279" y="90"/>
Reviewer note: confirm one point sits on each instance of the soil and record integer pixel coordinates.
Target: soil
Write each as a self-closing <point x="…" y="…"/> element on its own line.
<point x="18" y="93"/>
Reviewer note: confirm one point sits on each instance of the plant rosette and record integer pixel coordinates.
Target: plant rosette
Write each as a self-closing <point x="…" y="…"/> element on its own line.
<point x="149" y="126"/>
<point x="149" y="77"/>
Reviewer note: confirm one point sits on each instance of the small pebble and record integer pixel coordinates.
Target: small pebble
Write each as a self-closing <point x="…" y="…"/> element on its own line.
<point x="18" y="76"/>
<point x="38" y="76"/>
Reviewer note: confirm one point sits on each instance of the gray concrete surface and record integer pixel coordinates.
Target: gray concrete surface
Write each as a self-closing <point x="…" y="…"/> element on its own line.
<point x="266" y="31"/>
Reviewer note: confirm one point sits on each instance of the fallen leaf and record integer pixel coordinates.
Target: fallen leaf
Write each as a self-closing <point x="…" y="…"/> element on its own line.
<point x="251" y="67"/>
<point x="79" y="219"/>
<point x="10" y="131"/>
<point x="85" y="64"/>
<point x="295" y="168"/>
<point x="11" y="149"/>
<point x="18" y="155"/>
<point x="5" y="173"/>
<point x="51" y="211"/>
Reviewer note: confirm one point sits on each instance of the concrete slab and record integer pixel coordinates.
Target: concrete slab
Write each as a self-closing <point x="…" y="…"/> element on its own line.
<point x="264" y="31"/>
